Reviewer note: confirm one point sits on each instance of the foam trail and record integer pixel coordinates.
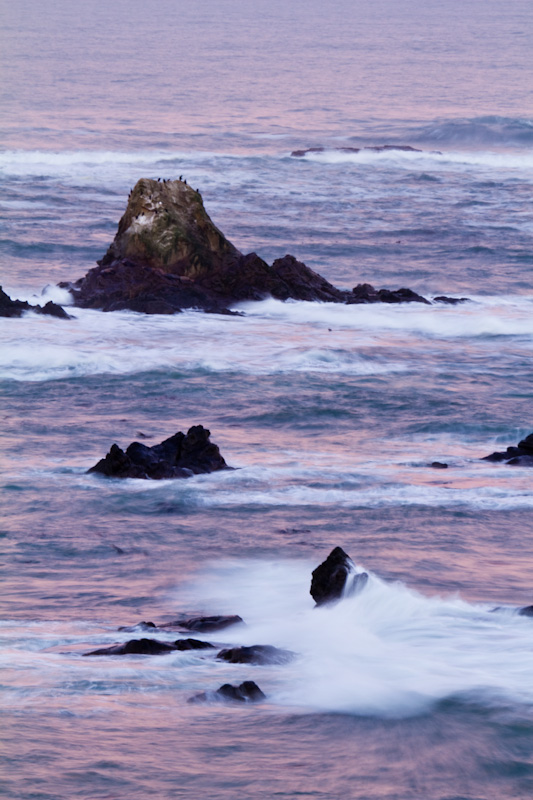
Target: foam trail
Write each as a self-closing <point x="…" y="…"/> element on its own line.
<point x="386" y="651"/>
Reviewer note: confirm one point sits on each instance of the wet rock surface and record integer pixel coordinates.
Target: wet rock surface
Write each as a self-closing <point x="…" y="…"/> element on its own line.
<point x="519" y="456"/>
<point x="168" y="255"/>
<point x="179" y="456"/>
<point x="246" y="692"/>
<point x="329" y="579"/>
<point x="150" y="647"/>
<point x="210" y="624"/>
<point x="256" y="654"/>
<point x="16" y="308"/>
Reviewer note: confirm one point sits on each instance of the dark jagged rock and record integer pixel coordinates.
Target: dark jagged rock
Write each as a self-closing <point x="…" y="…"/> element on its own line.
<point x="168" y="255"/>
<point x="381" y="148"/>
<point x="204" y="624"/>
<point x="150" y="647"/>
<point x="330" y="578"/>
<point x="256" y="654"/>
<point x="366" y="293"/>
<point x="16" y="308"/>
<point x="180" y="456"/>
<point x="193" y="644"/>
<point x="519" y="456"/>
<point x="247" y="692"/>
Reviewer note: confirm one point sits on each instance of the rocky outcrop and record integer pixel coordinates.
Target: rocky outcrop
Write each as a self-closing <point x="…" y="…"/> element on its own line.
<point x="180" y="456"/>
<point x="256" y="654"/>
<point x="246" y="692"/>
<point x="16" y="308"/>
<point x="519" y="456"/>
<point x="149" y="647"/>
<point x="380" y="148"/>
<point x="204" y="624"/>
<point x="168" y="255"/>
<point x="330" y="579"/>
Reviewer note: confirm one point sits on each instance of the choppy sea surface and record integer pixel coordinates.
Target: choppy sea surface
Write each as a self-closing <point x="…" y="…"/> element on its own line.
<point x="415" y="689"/>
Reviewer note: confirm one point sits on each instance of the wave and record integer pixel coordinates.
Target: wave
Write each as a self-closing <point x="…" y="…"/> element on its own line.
<point x="273" y="338"/>
<point x="387" y="652"/>
<point x="488" y="131"/>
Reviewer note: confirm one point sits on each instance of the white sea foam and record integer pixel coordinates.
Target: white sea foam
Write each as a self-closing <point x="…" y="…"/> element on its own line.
<point x="273" y="337"/>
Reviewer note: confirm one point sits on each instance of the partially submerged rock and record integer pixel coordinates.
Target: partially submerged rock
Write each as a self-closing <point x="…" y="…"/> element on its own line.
<point x="246" y="692"/>
<point x="168" y="255"/>
<point x="330" y="579"/>
<point x="256" y="654"/>
<point x="519" y="456"/>
<point x="180" y="456"/>
<point x="149" y="647"/>
<point x="16" y="308"/>
<point x="204" y="624"/>
<point x="380" y="148"/>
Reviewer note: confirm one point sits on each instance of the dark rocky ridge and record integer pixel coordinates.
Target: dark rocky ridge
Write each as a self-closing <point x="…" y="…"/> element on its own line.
<point x="519" y="456"/>
<point x="179" y="456"/>
<point x="380" y="148"/>
<point x="168" y="255"/>
<point x="16" y="308"/>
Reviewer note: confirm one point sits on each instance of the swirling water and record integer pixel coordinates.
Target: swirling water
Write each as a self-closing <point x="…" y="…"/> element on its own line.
<point x="416" y="688"/>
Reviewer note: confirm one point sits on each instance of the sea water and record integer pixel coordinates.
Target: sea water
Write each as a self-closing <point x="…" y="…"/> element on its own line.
<point x="418" y="687"/>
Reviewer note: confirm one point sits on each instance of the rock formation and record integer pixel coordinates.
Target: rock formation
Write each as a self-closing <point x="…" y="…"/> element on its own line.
<point x="256" y="654"/>
<point x="247" y="692"/>
<point x="180" y="456"/>
<point x="519" y="456"/>
<point x="329" y="579"/>
<point x="168" y="255"/>
<point x="380" y="148"/>
<point x="16" y="308"/>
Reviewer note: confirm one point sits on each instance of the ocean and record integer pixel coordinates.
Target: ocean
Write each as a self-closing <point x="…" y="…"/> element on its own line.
<point x="417" y="688"/>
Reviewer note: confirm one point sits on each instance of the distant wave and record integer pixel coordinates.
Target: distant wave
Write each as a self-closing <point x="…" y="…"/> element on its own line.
<point x="491" y="131"/>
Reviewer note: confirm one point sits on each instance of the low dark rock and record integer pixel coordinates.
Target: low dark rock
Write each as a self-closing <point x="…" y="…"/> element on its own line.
<point x="150" y="647"/>
<point x="527" y="611"/>
<point x="247" y="692"/>
<point x="382" y="148"/>
<point x="451" y="301"/>
<point x="438" y="465"/>
<point x="204" y="624"/>
<point x="180" y="456"/>
<point x="16" y="308"/>
<point x="519" y="456"/>
<point x="256" y="654"/>
<point x="330" y="578"/>
<point x="193" y="644"/>
<point x="140" y="626"/>
<point x="366" y="293"/>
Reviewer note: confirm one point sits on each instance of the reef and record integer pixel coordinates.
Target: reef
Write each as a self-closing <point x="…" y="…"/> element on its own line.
<point x="380" y="148"/>
<point x="179" y="456"/>
<point x="519" y="456"/>
<point x="16" y="308"/>
<point x="168" y="255"/>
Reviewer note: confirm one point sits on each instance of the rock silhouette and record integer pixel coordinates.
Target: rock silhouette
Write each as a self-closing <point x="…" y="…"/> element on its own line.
<point x="168" y="255"/>
<point x="180" y="456"/>
<point x="519" y="456"/>
<point x="329" y="579"/>
<point x="16" y="308"/>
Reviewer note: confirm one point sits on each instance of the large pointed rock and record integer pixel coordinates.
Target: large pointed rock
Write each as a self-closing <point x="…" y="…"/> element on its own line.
<point x="168" y="255"/>
<point x="330" y="579"/>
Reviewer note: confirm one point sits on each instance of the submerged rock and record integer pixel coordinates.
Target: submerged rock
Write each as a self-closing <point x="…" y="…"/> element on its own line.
<point x="380" y="148"/>
<point x="256" y="654"/>
<point x="246" y="692"/>
<point x="204" y="624"/>
<point x="180" y="456"/>
<point x="329" y="579"/>
<point x="193" y="644"/>
<point x="519" y="456"/>
<point x="168" y="255"/>
<point x="16" y="308"/>
<point x="150" y="647"/>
